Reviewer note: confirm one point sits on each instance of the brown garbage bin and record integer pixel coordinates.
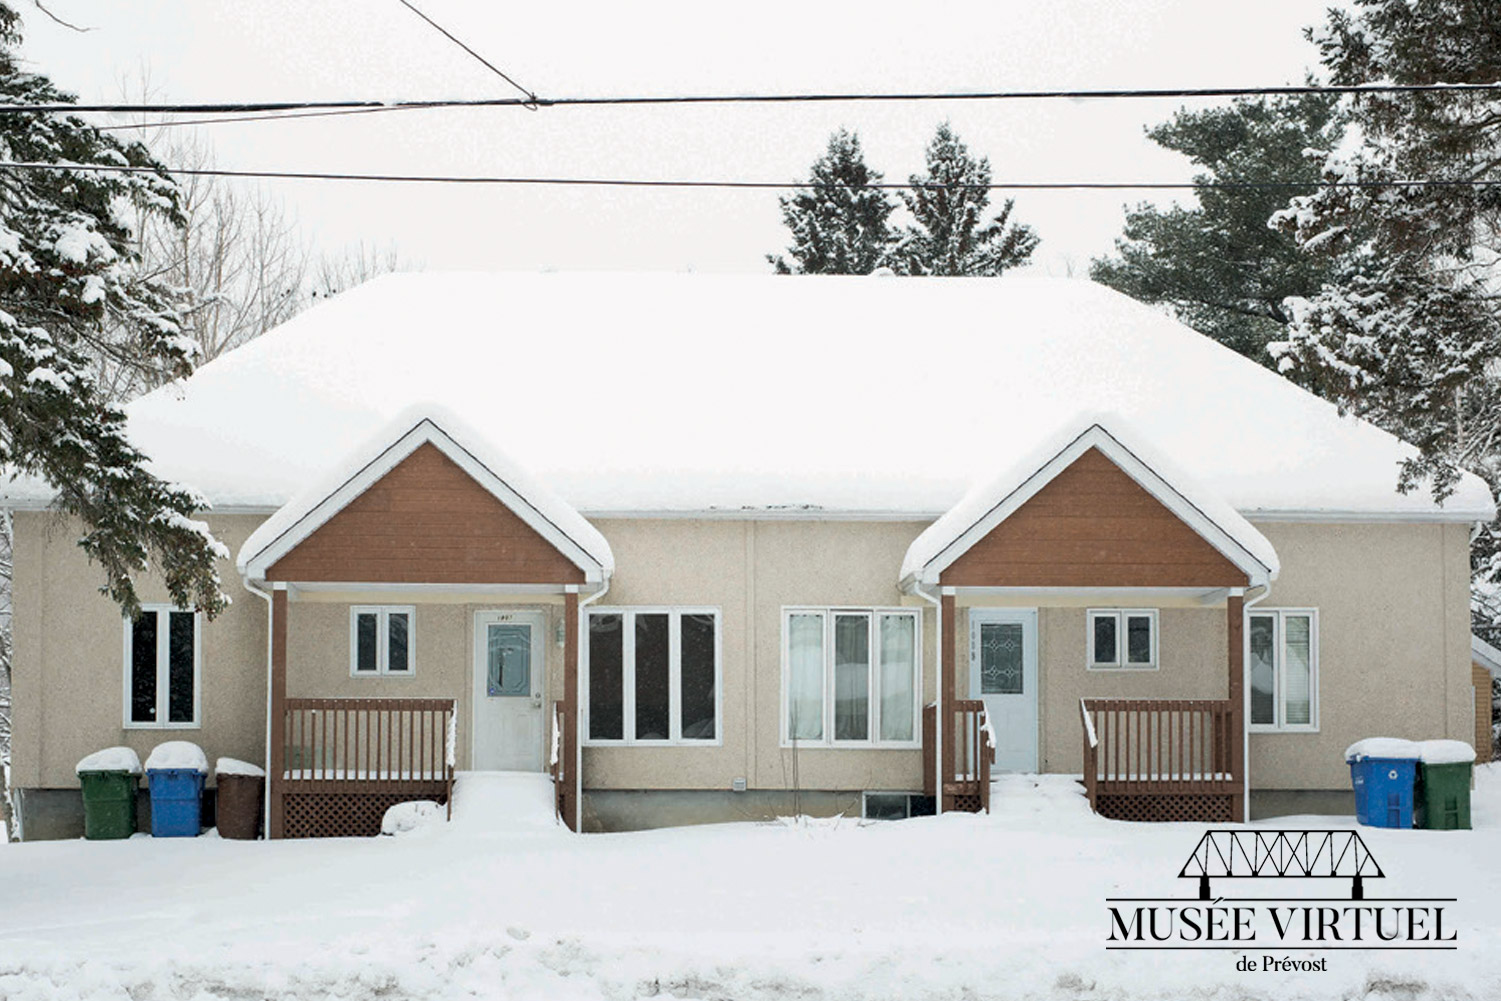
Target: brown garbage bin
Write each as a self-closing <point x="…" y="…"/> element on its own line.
<point x="238" y="805"/>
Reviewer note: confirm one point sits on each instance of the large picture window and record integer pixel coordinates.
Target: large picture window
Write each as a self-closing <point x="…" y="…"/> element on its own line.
<point x="850" y="677"/>
<point x="1284" y="659"/>
<point x="653" y="676"/>
<point x="162" y="667"/>
<point x="380" y="640"/>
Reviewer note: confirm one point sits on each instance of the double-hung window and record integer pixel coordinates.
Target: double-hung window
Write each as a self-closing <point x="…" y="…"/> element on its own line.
<point x="1122" y="638"/>
<point x="851" y="677"/>
<point x="1284" y="658"/>
<point x="163" y="655"/>
<point x="380" y="640"/>
<point x="653" y="676"/>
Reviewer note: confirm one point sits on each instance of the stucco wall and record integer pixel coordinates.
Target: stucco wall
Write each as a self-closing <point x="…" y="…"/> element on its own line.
<point x="69" y="658"/>
<point x="1394" y="642"/>
<point x="751" y="570"/>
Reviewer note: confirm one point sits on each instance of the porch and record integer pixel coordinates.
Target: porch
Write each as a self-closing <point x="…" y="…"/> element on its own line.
<point x="1098" y="548"/>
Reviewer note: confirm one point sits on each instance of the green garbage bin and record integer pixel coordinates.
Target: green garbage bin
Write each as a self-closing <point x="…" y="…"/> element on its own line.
<point x="1444" y="785"/>
<point x="108" y="780"/>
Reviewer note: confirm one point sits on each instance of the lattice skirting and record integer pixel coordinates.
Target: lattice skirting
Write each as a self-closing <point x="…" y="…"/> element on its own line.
<point x="339" y="815"/>
<point x="1184" y="808"/>
<point x="962" y="804"/>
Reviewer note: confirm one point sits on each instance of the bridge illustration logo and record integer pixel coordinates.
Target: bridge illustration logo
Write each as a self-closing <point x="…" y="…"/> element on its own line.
<point x="1288" y="890"/>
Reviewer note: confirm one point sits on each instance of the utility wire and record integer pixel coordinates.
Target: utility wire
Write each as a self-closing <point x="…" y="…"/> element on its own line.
<point x="625" y="182"/>
<point x="132" y="126"/>
<point x="530" y="96"/>
<point x="237" y="107"/>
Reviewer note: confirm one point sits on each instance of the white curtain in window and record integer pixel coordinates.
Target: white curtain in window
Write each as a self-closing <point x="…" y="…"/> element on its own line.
<point x="851" y="677"/>
<point x="898" y="659"/>
<point x="1298" y="670"/>
<point x="805" y="676"/>
<point x="1263" y="669"/>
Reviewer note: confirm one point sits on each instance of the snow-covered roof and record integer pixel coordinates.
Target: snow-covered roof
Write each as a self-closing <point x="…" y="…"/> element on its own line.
<point x="650" y="393"/>
<point x="427" y="424"/>
<point x="1485" y="655"/>
<point x="988" y="504"/>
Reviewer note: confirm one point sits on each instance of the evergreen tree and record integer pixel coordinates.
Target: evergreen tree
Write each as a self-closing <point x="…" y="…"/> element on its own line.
<point x="838" y="223"/>
<point x="948" y="204"/>
<point x="70" y="294"/>
<point x="1410" y="338"/>
<point x="1218" y="265"/>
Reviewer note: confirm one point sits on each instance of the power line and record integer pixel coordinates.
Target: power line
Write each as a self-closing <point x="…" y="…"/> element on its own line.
<point x="627" y="182"/>
<point x="132" y="126"/>
<point x="238" y="107"/>
<point x="530" y="96"/>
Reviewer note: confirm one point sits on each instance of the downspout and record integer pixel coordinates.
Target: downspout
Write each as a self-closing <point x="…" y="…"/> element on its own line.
<point x="1245" y="695"/>
<point x="578" y="670"/>
<point x="266" y="786"/>
<point x="937" y="602"/>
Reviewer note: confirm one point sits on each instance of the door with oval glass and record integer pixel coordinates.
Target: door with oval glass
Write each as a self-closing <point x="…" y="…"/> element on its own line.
<point x="1003" y="673"/>
<point x="510" y="675"/>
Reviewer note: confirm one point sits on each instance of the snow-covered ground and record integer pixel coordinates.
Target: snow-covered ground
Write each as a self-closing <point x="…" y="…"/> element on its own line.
<point x="501" y="903"/>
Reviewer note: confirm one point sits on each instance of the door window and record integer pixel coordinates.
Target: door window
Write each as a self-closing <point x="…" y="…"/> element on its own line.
<point x="509" y="659"/>
<point x="1001" y="658"/>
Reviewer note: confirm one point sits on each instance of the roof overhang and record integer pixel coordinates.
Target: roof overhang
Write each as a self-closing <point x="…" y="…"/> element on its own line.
<point x="538" y="507"/>
<point x="1485" y="655"/>
<point x="986" y="506"/>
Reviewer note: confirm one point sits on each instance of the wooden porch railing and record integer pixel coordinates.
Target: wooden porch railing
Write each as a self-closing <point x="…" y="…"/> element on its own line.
<point x="968" y="752"/>
<point x="389" y="746"/>
<point x="1160" y="746"/>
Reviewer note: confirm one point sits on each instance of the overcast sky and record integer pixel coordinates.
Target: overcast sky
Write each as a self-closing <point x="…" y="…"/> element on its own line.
<point x="224" y="50"/>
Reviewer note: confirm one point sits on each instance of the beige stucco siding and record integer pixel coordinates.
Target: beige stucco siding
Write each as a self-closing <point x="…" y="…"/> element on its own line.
<point x="69" y="671"/>
<point x="751" y="570"/>
<point x="1394" y="641"/>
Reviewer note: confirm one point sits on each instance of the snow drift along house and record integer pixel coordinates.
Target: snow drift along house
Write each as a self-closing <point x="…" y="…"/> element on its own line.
<point x="698" y="545"/>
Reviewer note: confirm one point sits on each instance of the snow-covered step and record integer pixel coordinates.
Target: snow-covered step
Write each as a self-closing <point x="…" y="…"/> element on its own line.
<point x="503" y="803"/>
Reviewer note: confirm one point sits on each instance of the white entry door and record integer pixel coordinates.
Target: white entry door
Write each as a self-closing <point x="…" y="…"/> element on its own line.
<point x="510" y="676"/>
<point x="1003" y="672"/>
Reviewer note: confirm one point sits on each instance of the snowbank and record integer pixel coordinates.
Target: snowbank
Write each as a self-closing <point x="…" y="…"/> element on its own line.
<point x="178" y="754"/>
<point x="111" y="759"/>
<point x="412" y="817"/>
<point x="1445" y="752"/>
<point x="234" y="766"/>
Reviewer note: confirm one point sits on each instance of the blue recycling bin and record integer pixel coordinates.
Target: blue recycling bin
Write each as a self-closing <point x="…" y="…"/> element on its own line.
<point x="176" y="802"/>
<point x="1384" y="791"/>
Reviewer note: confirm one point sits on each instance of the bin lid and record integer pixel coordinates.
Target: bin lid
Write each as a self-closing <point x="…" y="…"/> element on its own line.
<point x="1383" y="747"/>
<point x="178" y="755"/>
<point x="234" y="766"/>
<point x="111" y="759"/>
<point x="1446" y="752"/>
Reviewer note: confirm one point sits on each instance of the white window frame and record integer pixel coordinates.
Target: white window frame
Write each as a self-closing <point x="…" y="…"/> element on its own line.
<point x="674" y="615"/>
<point x="872" y="740"/>
<point x="1120" y="663"/>
<point x="382" y="640"/>
<point x="1279" y="670"/>
<point x="164" y="671"/>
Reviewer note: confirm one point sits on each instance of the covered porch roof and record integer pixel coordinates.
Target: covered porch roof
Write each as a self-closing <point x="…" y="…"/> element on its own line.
<point x="1095" y="510"/>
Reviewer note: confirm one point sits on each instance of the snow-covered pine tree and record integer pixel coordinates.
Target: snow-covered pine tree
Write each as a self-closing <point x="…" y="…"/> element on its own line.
<point x="948" y="204"/>
<point x="69" y="293"/>
<point x="838" y="222"/>
<point x="1409" y="335"/>
<point x="1216" y="264"/>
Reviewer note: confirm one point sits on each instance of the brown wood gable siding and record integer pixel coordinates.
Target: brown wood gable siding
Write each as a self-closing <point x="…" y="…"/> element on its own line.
<point x="1092" y="526"/>
<point x="426" y="521"/>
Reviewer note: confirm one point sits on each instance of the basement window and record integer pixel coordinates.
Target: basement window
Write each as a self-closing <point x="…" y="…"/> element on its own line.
<point x="1122" y="638"/>
<point x="162" y="667"/>
<point x="381" y="640"/>
<point x="895" y="805"/>
<point x="652" y="676"/>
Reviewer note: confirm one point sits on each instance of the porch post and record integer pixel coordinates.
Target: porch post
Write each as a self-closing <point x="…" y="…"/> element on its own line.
<point x="1235" y="624"/>
<point x="946" y="692"/>
<point x="276" y="820"/>
<point x="573" y="775"/>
